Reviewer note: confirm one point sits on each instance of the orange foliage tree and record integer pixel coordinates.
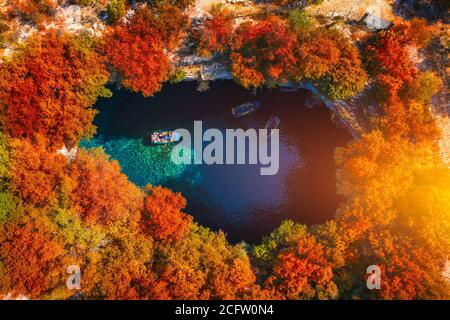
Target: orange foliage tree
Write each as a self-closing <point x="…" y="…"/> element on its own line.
<point x="317" y="55"/>
<point x="137" y="49"/>
<point x="203" y="265"/>
<point x="100" y="193"/>
<point x="30" y="256"/>
<point x="262" y="52"/>
<point x="118" y="269"/>
<point x="390" y="55"/>
<point x="416" y="31"/>
<point x="396" y="214"/>
<point x="293" y="265"/>
<point x="372" y="178"/>
<point x="347" y="77"/>
<point x="36" y="171"/>
<point x="409" y="119"/>
<point x="215" y="34"/>
<point x="393" y="65"/>
<point x="49" y="86"/>
<point x="408" y="270"/>
<point x="408" y="91"/>
<point x="326" y="58"/>
<point x="163" y="218"/>
<point x="302" y="272"/>
<point x="33" y="10"/>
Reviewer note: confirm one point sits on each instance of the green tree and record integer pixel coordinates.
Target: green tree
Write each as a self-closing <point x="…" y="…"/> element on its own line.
<point x="116" y="9"/>
<point x="424" y="86"/>
<point x="299" y="21"/>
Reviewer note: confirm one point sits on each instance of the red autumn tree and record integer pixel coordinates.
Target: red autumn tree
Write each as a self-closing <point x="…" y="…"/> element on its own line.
<point x="392" y="61"/>
<point x="33" y="10"/>
<point x="153" y="288"/>
<point x="149" y="65"/>
<point x="116" y="269"/>
<point x="372" y="173"/>
<point x="31" y="259"/>
<point x="302" y="272"/>
<point x="203" y="265"/>
<point x="409" y="119"/>
<point x="414" y="32"/>
<point x="424" y="86"/>
<point x="347" y="77"/>
<point x="36" y="171"/>
<point x="375" y="173"/>
<point x="406" y="107"/>
<point x="101" y="193"/>
<point x="316" y="56"/>
<point x="137" y="49"/>
<point x="163" y="218"/>
<point x="48" y="87"/>
<point x="262" y="52"/>
<point x="389" y="54"/>
<point x="169" y="20"/>
<point x="234" y="279"/>
<point x="408" y="269"/>
<point x="397" y="207"/>
<point x="215" y="34"/>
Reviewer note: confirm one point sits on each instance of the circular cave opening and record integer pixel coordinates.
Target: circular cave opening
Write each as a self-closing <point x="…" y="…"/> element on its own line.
<point x="234" y="198"/>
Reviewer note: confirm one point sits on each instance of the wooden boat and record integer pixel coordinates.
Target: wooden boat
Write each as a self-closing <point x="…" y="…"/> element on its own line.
<point x="163" y="137"/>
<point x="245" y="109"/>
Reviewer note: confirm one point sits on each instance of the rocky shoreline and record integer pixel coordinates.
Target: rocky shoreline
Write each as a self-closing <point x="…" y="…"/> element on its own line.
<point x="344" y="113"/>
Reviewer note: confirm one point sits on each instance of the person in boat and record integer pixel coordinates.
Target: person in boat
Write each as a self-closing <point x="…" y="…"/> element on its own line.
<point x="164" y="137"/>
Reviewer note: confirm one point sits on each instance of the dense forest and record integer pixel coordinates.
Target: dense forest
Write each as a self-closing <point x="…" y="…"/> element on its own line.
<point x="133" y="243"/>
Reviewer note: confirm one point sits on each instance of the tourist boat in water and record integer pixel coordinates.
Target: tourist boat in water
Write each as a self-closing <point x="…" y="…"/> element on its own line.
<point x="245" y="109"/>
<point x="163" y="137"/>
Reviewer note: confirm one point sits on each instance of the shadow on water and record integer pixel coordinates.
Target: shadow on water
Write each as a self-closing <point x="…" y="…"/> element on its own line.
<point x="234" y="198"/>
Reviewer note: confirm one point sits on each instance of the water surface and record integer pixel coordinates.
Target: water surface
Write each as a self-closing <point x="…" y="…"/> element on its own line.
<point x="233" y="198"/>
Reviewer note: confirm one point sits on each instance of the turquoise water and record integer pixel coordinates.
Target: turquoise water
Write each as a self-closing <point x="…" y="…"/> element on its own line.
<point x="233" y="198"/>
<point x="143" y="165"/>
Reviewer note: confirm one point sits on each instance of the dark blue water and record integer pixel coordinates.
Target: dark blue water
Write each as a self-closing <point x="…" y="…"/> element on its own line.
<point x="233" y="198"/>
